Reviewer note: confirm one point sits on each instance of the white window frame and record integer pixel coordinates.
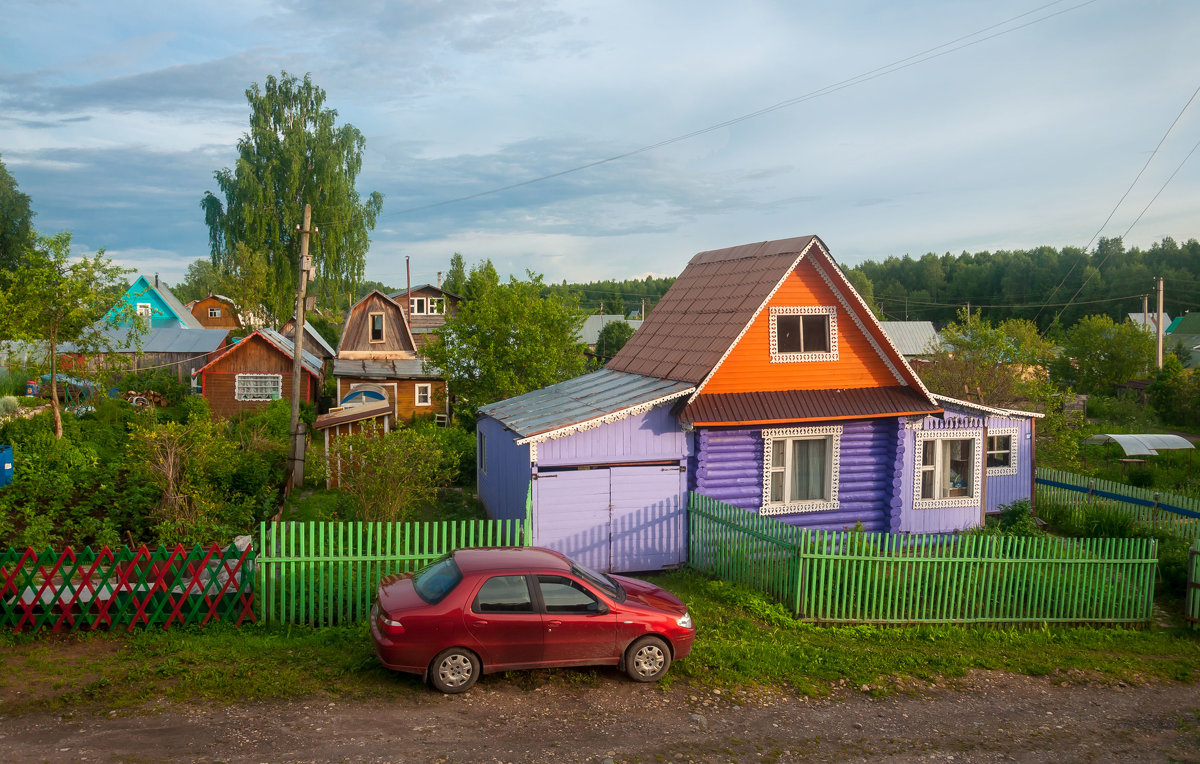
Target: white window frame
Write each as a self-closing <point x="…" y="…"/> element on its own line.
<point x="427" y="389"/>
<point x="371" y="328"/>
<point x="145" y="310"/>
<point x="416" y="306"/>
<point x="437" y="305"/>
<point x="832" y="435"/>
<point x="258" y="387"/>
<point x="920" y="469"/>
<point x="829" y="311"/>
<point x="214" y="312"/>
<point x="1012" y="433"/>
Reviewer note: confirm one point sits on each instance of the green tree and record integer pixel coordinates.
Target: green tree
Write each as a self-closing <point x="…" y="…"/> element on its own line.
<point x="612" y="338"/>
<point x="999" y="362"/>
<point x="16" y="225"/>
<point x="294" y="154"/>
<point x="391" y="475"/>
<point x="456" y="278"/>
<point x="61" y="299"/>
<point x="505" y="340"/>
<point x="1100" y="354"/>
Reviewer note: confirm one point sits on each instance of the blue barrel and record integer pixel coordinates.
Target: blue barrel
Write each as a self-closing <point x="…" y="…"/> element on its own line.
<point x="6" y="465"/>
<point x="31" y="387"/>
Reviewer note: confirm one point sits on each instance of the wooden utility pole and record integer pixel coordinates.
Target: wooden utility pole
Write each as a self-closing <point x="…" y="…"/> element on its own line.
<point x="1158" y="333"/>
<point x="297" y="427"/>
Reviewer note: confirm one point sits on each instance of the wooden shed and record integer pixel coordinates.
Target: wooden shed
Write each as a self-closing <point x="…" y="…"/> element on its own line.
<point x="256" y="371"/>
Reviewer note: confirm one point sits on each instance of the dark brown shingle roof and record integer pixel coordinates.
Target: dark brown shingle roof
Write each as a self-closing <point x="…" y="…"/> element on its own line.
<point x="706" y="308"/>
<point x="801" y="405"/>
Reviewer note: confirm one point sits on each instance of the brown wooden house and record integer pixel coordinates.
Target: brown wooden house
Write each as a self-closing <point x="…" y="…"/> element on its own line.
<point x="215" y="312"/>
<point x="428" y="308"/>
<point x="256" y="371"/>
<point x="377" y="348"/>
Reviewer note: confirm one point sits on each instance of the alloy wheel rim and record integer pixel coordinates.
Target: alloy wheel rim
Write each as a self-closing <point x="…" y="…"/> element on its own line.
<point x="455" y="670"/>
<point x="649" y="660"/>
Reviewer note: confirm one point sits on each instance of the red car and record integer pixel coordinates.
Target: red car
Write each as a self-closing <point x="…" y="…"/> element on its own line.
<point x="478" y="611"/>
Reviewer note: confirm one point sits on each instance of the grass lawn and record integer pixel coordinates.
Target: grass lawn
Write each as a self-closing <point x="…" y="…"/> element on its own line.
<point x="742" y="640"/>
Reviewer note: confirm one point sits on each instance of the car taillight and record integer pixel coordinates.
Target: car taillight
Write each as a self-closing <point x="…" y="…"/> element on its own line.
<point x="390" y="626"/>
<point x="685" y="621"/>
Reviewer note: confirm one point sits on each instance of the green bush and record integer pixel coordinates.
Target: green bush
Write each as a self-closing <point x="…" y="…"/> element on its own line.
<point x="9" y="405"/>
<point x="161" y="381"/>
<point x="1141" y="477"/>
<point x="456" y="441"/>
<point x="1014" y="519"/>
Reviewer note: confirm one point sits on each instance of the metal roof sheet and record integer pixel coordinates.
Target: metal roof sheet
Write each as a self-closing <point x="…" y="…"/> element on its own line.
<point x="603" y="394"/>
<point x="1146" y="444"/>
<point x="801" y="405"/>
<point x="911" y="337"/>
<point x="385" y="368"/>
<point x="348" y="414"/>
<point x="166" y="340"/>
<point x="308" y="360"/>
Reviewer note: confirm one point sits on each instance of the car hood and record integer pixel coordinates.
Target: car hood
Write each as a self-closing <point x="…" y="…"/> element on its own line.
<point x="648" y="595"/>
<point x="397" y="594"/>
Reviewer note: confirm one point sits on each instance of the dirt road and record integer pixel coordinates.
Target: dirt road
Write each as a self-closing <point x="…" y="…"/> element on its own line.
<point x="984" y="717"/>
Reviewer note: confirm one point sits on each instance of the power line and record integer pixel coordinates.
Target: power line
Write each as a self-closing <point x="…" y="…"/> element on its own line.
<point x="895" y="66"/>
<point x="1149" y="159"/>
<point x="960" y="303"/>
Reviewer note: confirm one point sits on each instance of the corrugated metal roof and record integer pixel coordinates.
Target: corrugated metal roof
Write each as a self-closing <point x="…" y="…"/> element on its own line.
<point x="308" y="360"/>
<point x="387" y="368"/>
<point x="599" y="395"/>
<point x="911" y="337"/>
<point x="801" y="405"/>
<point x="172" y="340"/>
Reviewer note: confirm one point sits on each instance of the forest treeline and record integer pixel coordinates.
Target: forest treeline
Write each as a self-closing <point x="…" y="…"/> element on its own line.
<point x="1039" y="284"/>
<point x="1042" y="285"/>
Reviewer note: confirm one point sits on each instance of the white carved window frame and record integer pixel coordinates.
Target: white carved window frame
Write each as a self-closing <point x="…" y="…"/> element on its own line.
<point x="999" y="432"/>
<point x="830" y="311"/>
<point x="922" y="436"/>
<point x="833" y="434"/>
<point x="258" y="387"/>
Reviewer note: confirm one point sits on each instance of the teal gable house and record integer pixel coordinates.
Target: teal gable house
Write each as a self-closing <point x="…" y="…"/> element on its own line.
<point x="154" y="303"/>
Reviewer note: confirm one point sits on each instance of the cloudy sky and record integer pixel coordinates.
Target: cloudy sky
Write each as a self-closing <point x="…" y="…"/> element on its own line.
<point x="901" y="127"/>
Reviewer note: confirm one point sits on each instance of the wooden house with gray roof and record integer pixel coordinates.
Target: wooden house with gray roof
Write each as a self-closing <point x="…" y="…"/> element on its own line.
<point x="377" y="348"/>
<point x="761" y="379"/>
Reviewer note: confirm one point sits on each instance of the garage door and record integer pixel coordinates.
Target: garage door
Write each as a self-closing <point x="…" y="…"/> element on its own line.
<point x="614" y="519"/>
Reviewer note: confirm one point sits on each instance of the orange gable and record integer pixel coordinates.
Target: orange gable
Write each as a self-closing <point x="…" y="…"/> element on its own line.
<point x="748" y="367"/>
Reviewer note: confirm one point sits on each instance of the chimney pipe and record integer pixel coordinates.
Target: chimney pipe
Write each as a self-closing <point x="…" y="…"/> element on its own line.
<point x="439" y="279"/>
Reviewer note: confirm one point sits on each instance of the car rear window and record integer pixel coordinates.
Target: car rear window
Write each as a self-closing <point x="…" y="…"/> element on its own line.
<point x="436" y="580"/>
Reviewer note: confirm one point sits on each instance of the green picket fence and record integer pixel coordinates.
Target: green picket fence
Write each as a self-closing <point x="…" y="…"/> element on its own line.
<point x="849" y="577"/>
<point x="1170" y="512"/>
<point x="325" y="573"/>
<point x="1192" y="605"/>
<point x="70" y="590"/>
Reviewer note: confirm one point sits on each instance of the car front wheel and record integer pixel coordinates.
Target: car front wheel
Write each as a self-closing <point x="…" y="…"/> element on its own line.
<point x="647" y="659"/>
<point x="454" y="670"/>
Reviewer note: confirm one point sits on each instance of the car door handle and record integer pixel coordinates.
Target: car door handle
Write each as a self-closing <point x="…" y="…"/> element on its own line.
<point x="479" y="622"/>
<point x="552" y="624"/>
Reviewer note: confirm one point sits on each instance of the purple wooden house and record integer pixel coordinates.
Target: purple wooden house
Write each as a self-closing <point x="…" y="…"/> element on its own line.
<point x="760" y="379"/>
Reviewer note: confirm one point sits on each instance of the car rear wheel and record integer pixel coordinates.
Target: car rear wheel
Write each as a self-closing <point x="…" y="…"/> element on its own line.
<point x="647" y="659"/>
<point x="454" y="670"/>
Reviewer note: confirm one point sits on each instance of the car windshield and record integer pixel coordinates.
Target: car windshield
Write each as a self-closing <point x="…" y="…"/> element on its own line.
<point x="436" y="580"/>
<point x="601" y="581"/>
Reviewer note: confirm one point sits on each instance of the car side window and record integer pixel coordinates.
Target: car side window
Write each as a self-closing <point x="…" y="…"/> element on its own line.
<point x="503" y="594"/>
<point x="562" y="595"/>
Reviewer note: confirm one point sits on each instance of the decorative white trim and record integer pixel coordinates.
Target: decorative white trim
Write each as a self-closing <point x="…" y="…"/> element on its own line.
<point x="999" y="432"/>
<point x="533" y="454"/>
<point x="979" y="407"/>
<point x="278" y="378"/>
<point x="834" y="433"/>
<point x="862" y="328"/>
<point x="767" y="301"/>
<point x="828" y="311"/>
<point x="428" y="394"/>
<point x="592" y="424"/>
<point x="958" y="501"/>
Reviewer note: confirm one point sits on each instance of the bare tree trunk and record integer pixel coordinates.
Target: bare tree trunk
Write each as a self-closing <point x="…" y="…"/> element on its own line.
<point x="58" y="429"/>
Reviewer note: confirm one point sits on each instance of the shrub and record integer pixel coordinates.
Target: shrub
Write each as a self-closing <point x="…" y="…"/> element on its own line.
<point x="458" y="442"/>
<point x="1141" y="477"/>
<point x="390" y="476"/>
<point x="161" y="381"/>
<point x="1014" y="519"/>
<point x="9" y="405"/>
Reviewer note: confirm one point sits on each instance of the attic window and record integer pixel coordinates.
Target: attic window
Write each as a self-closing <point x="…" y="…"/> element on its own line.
<point x="417" y="306"/>
<point x="804" y="334"/>
<point x="214" y="312"/>
<point x="437" y="305"/>
<point x="376" y="321"/>
<point x="144" y="310"/>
